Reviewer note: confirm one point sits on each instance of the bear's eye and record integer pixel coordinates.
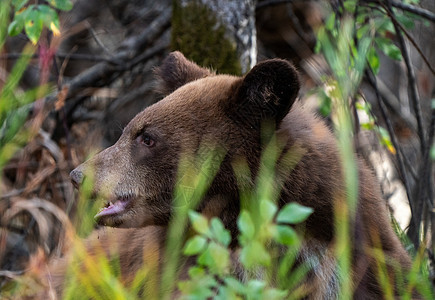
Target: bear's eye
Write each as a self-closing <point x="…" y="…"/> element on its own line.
<point x="146" y="140"/>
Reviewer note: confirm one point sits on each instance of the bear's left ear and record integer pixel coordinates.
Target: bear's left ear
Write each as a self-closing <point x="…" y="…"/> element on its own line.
<point x="267" y="92"/>
<point x="175" y="71"/>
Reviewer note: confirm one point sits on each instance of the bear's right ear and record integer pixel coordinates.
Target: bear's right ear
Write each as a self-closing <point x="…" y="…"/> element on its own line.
<point x="175" y="71"/>
<point x="267" y="92"/>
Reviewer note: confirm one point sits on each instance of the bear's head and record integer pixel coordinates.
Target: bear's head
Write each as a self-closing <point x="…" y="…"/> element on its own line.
<point x="136" y="176"/>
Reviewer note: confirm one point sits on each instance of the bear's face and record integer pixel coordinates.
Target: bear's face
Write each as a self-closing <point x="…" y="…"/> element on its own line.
<point x="136" y="176"/>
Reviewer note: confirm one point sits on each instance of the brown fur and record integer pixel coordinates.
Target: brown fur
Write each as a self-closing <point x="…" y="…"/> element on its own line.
<point x="230" y="112"/>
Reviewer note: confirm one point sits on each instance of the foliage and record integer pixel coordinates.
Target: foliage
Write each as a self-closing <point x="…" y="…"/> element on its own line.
<point x="350" y="41"/>
<point x="13" y="101"/>
<point x="264" y="231"/>
<point x="32" y="18"/>
<point x="212" y="275"/>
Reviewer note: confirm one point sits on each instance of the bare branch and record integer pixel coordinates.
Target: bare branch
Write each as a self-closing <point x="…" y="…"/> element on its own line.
<point x="411" y="77"/>
<point x="130" y="53"/>
<point x="415" y="10"/>
<point x="372" y="80"/>
<point x="72" y="56"/>
<point x="393" y="104"/>
<point x="398" y="27"/>
<point x="97" y="40"/>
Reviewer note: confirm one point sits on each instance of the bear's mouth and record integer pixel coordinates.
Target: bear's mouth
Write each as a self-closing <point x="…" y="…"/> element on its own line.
<point x="115" y="206"/>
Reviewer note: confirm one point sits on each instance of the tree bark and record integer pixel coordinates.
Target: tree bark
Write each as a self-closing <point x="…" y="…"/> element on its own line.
<point x="238" y="17"/>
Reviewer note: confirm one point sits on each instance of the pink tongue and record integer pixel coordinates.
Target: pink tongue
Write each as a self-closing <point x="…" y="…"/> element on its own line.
<point x="113" y="209"/>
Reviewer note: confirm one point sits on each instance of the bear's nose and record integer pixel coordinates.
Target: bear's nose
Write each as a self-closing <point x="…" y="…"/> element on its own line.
<point x="76" y="177"/>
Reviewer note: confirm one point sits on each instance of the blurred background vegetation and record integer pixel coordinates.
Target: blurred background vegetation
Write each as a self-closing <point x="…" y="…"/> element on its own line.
<point x="73" y="74"/>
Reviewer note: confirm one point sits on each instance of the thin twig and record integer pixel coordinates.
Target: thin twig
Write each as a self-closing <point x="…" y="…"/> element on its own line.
<point x="105" y="71"/>
<point x="133" y="95"/>
<point x="129" y="51"/>
<point x="408" y="165"/>
<point x="423" y="57"/>
<point x="10" y="274"/>
<point x="415" y="10"/>
<point x="411" y="77"/>
<point x="150" y="52"/>
<point x="72" y="56"/>
<point x="409" y="8"/>
<point x="372" y="80"/>
<point x="97" y="40"/>
<point x="396" y="24"/>
<point x="394" y="105"/>
<point x="429" y="176"/>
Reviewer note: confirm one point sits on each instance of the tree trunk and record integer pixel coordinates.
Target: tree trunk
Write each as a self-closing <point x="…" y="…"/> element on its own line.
<point x="237" y="20"/>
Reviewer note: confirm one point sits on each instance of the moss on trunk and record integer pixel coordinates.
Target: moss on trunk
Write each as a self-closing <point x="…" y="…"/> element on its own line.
<point x="197" y="33"/>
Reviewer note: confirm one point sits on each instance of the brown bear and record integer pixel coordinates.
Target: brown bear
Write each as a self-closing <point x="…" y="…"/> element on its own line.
<point x="137" y="175"/>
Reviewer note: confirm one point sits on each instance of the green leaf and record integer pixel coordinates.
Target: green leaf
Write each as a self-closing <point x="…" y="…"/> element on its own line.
<point x="219" y="232"/>
<point x="330" y="22"/>
<point x="432" y="152"/>
<point x="50" y="18"/>
<point x="195" y="245"/>
<point x="55" y="25"/>
<point x="350" y="6"/>
<point x="225" y="293"/>
<point x="4" y="21"/>
<point x="47" y="13"/>
<point x="373" y="60"/>
<point x="254" y="254"/>
<point x="387" y="46"/>
<point x="15" y="28"/>
<point x="364" y="106"/>
<point x="12" y="124"/>
<point x="221" y="258"/>
<point x="7" y="94"/>
<point x="14" y="112"/>
<point x="267" y="210"/>
<point x="368" y="126"/>
<point x="407" y="21"/>
<point x="17" y="25"/>
<point x="384" y="25"/>
<point x="293" y="213"/>
<point x="18" y="4"/>
<point x="286" y="235"/>
<point x="275" y="294"/>
<point x="205" y="258"/>
<point x="61" y="4"/>
<point x="245" y="225"/>
<point x="386" y="140"/>
<point x="235" y="285"/>
<point x="215" y="257"/>
<point x="325" y="107"/>
<point x="195" y="272"/>
<point x="33" y="24"/>
<point x="363" y="30"/>
<point x="256" y="286"/>
<point x="198" y="288"/>
<point x="199" y="222"/>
